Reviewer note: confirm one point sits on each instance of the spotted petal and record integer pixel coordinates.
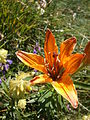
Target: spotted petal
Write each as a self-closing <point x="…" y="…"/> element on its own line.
<point x="66" y="88"/>
<point x="66" y="48"/>
<point x="50" y="47"/>
<point x="40" y="79"/>
<point x="32" y="60"/>
<point x="73" y="63"/>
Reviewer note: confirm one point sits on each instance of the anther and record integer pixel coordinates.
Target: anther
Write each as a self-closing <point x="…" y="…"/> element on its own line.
<point x="55" y="54"/>
<point x="58" y="76"/>
<point x="48" y="74"/>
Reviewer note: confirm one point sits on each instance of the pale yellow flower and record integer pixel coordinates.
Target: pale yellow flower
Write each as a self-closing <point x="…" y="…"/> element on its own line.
<point x="22" y="103"/>
<point x="3" y="55"/>
<point x="19" y="86"/>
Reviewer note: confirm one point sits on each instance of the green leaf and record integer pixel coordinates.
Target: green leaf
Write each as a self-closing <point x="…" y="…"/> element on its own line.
<point x="45" y="95"/>
<point x="82" y="85"/>
<point x="5" y="87"/>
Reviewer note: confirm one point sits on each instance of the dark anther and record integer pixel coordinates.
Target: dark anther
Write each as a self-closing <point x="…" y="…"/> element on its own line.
<point x="55" y="54"/>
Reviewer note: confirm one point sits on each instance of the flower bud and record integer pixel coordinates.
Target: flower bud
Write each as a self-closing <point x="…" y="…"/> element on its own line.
<point x="19" y="86"/>
<point x="22" y="103"/>
<point x="3" y="55"/>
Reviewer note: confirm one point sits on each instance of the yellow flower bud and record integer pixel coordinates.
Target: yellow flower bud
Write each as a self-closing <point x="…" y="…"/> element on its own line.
<point x="3" y="55"/>
<point x="18" y="91"/>
<point x="22" y="103"/>
<point x="19" y="86"/>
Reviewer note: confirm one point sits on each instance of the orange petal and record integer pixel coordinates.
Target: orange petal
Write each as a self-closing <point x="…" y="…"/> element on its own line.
<point x="50" y="46"/>
<point x="40" y="79"/>
<point x="66" y="48"/>
<point x="87" y="52"/>
<point x="66" y="88"/>
<point x="32" y="60"/>
<point x="73" y="63"/>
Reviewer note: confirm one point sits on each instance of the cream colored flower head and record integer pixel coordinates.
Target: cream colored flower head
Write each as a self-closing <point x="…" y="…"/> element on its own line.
<point x="3" y="55"/>
<point x="22" y="103"/>
<point x="19" y="86"/>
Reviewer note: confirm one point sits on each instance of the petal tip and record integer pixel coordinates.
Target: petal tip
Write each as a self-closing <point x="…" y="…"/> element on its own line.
<point x="48" y="31"/>
<point x="17" y="52"/>
<point x="75" y="104"/>
<point x="74" y="39"/>
<point x="71" y="40"/>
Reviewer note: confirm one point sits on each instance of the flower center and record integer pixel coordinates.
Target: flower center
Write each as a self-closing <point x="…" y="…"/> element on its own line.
<point x="56" y="70"/>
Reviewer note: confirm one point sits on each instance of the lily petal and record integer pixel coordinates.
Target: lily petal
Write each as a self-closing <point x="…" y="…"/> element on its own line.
<point x="50" y="46"/>
<point x="73" y="63"/>
<point x="87" y="52"/>
<point x="66" y="88"/>
<point x="32" y="60"/>
<point x="66" y="48"/>
<point x="40" y="79"/>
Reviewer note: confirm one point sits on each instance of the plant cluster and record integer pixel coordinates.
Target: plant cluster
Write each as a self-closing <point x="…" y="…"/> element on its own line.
<point x="24" y="27"/>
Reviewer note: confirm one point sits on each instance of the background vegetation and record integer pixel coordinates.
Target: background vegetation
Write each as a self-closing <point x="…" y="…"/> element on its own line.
<point x="23" y="24"/>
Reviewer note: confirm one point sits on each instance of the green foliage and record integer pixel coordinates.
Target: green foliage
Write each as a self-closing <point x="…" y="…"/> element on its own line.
<point x="22" y="25"/>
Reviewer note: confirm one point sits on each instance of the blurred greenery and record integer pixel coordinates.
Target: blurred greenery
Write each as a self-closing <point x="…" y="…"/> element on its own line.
<point x="22" y="24"/>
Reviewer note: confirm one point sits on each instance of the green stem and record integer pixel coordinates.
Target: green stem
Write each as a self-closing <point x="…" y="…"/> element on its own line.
<point x="83" y="107"/>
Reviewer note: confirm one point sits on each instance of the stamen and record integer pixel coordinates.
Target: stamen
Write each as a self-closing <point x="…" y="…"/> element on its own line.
<point x="55" y="54"/>
<point x="44" y="60"/>
<point x="58" y="60"/>
<point x="61" y="71"/>
<point x="49" y="52"/>
<point x="52" y="68"/>
<point x="47" y="64"/>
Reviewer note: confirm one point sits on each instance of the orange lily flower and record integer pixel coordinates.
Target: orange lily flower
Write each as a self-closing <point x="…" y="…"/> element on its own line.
<point x="56" y="67"/>
<point x="86" y="60"/>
